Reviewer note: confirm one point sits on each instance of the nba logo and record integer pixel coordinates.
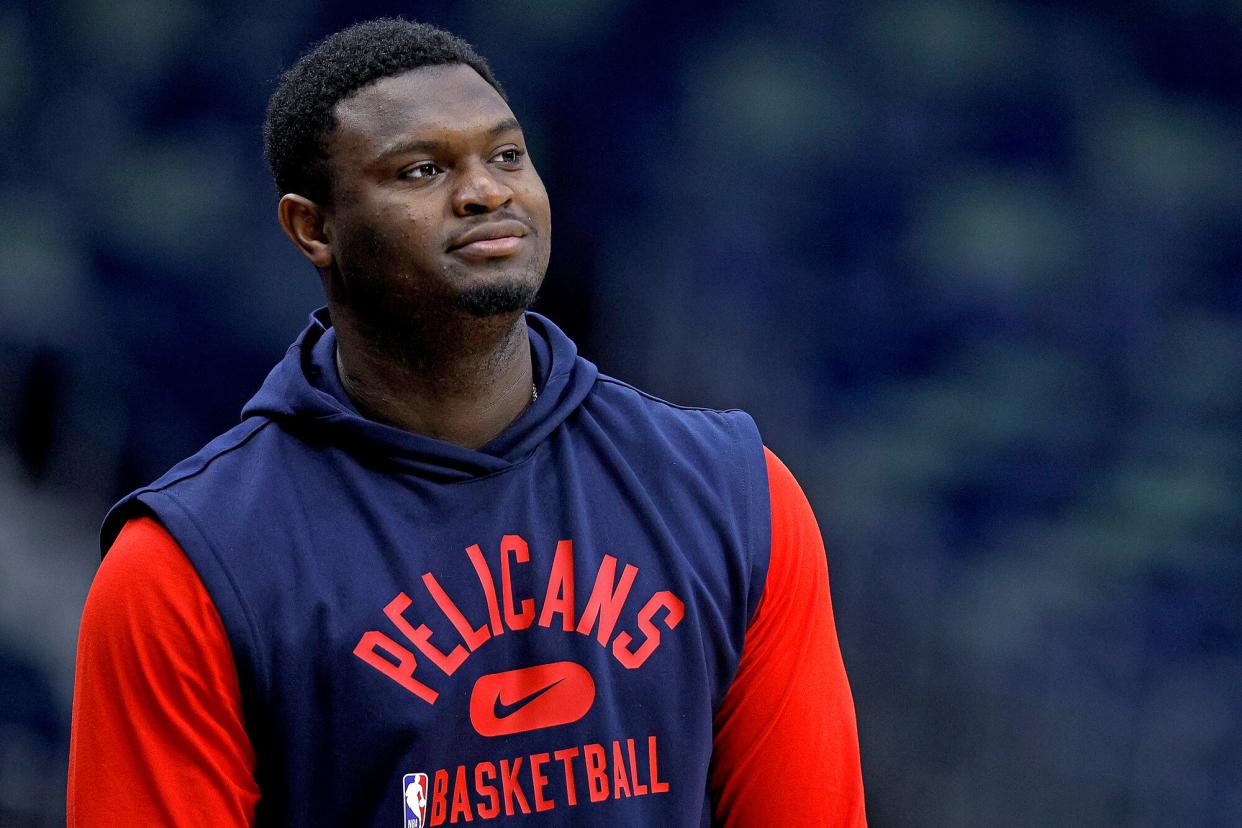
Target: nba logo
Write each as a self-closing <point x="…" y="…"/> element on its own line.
<point x="414" y="794"/>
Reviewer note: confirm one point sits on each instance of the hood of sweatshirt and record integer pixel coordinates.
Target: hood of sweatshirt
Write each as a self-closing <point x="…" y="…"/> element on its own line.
<point x="304" y="394"/>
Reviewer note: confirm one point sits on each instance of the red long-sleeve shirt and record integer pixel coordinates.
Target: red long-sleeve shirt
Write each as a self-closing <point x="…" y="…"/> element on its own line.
<point x="159" y="737"/>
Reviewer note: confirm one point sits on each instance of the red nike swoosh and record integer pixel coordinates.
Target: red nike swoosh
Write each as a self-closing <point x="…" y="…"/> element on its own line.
<point x="531" y="698"/>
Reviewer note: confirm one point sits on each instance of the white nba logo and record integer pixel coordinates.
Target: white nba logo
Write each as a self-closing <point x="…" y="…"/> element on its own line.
<point x="414" y="796"/>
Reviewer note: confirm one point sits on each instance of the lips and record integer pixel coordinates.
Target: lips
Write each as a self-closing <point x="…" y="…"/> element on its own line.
<point x="496" y="238"/>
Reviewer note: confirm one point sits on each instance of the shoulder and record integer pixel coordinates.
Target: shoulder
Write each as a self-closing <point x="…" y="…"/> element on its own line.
<point x="223" y="463"/>
<point x="645" y="416"/>
<point x="613" y="390"/>
<point x="225" y="450"/>
<point x="716" y="449"/>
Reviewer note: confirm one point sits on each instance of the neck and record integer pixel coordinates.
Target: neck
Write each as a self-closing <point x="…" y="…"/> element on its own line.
<point x="462" y="381"/>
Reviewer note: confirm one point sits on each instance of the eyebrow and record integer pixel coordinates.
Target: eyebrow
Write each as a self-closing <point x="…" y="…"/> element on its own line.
<point x="426" y="145"/>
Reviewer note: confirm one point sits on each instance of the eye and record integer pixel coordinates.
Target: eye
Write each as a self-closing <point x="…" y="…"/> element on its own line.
<point x="509" y="156"/>
<point x="424" y="170"/>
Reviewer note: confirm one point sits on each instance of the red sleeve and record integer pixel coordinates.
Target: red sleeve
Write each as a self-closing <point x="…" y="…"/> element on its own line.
<point x="157" y="734"/>
<point x="786" y="744"/>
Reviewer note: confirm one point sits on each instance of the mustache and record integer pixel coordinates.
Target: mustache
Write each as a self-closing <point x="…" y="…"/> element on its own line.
<point x="502" y="214"/>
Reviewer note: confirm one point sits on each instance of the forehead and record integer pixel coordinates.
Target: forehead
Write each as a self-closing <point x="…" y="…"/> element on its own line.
<point x="434" y="99"/>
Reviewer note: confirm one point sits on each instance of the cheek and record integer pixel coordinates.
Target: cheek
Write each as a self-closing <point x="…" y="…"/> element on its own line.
<point x="537" y="202"/>
<point x="398" y="232"/>
<point x="362" y="243"/>
<point x="419" y="226"/>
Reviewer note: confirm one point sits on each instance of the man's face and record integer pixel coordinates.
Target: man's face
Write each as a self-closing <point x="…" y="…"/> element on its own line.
<point x="436" y="205"/>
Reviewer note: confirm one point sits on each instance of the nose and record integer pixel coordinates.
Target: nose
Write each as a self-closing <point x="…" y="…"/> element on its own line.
<point x="479" y="191"/>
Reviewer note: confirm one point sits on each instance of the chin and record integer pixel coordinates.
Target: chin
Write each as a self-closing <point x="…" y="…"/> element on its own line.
<point x="498" y="298"/>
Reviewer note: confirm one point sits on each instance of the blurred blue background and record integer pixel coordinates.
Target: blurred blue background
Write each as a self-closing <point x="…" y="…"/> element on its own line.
<point x="973" y="266"/>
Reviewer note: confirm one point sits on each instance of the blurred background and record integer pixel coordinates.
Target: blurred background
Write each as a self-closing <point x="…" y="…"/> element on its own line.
<point x="973" y="266"/>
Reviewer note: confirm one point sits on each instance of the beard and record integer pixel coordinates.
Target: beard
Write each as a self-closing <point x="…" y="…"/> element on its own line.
<point x="502" y="299"/>
<point x="382" y="285"/>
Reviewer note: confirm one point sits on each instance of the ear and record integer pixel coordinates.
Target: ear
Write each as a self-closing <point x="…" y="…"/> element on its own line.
<point x="304" y="222"/>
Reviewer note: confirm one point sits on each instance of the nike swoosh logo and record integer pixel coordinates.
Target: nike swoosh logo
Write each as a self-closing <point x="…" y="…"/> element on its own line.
<point x="502" y="710"/>
<point x="531" y="698"/>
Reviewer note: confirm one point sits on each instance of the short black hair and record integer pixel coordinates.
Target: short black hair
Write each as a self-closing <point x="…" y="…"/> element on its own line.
<point x="300" y="115"/>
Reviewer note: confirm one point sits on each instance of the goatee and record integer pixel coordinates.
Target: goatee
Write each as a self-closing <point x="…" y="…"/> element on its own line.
<point x="498" y="299"/>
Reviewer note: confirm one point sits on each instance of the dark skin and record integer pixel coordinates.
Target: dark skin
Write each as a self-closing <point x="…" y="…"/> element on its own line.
<point x="437" y="237"/>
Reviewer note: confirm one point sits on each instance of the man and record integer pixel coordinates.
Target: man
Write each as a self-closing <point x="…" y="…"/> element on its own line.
<point x="441" y="550"/>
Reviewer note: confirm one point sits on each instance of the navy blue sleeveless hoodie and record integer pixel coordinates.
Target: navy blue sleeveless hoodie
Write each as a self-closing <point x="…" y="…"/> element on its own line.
<point x="537" y="631"/>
